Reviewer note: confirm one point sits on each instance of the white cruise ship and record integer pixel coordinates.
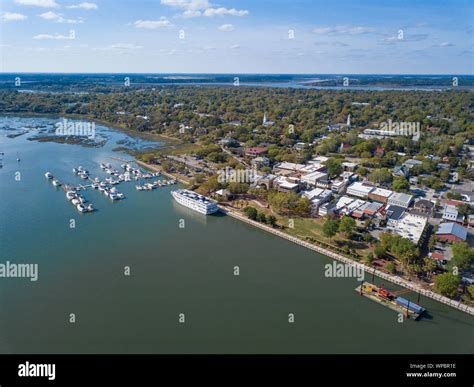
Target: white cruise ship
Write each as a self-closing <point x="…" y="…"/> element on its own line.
<point x="196" y="202"/>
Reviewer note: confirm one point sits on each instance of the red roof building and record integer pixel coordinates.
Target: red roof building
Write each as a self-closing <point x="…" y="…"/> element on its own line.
<point x="255" y="151"/>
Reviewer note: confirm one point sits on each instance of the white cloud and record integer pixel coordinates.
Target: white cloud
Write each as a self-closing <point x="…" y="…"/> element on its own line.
<point x="85" y="5"/>
<point x="54" y="37"/>
<point x="446" y="44"/>
<point x="119" y="47"/>
<point x="38" y="3"/>
<point x="235" y="47"/>
<point x="347" y="30"/>
<point x="197" y="8"/>
<point x="226" y="27"/>
<point x="58" y="18"/>
<point x="10" y="16"/>
<point x="211" y="12"/>
<point x="153" y="24"/>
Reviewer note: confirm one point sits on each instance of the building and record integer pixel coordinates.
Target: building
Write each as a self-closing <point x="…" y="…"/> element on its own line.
<point x="470" y="220"/>
<point x="394" y="214"/>
<point x="359" y="190"/>
<point x="229" y="142"/>
<point x="265" y="121"/>
<point x="380" y="195"/>
<point x="451" y="232"/>
<point x="255" y="151"/>
<point x="312" y="178"/>
<point x="260" y="162"/>
<point x="301" y="146"/>
<point x="318" y="197"/>
<point x="410" y="226"/>
<point x="265" y="181"/>
<point x="343" y="202"/>
<point x="326" y="209"/>
<point x="380" y="151"/>
<point x="410" y="163"/>
<point x="348" y="166"/>
<point x="372" y="209"/>
<point x="451" y="214"/>
<point x="288" y="168"/>
<point x="400" y="199"/>
<point x="401" y="170"/>
<point x="424" y="206"/>
<point x="338" y="186"/>
<point x="282" y="184"/>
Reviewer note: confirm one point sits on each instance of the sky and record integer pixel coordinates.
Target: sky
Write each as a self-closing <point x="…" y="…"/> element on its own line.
<point x="238" y="36"/>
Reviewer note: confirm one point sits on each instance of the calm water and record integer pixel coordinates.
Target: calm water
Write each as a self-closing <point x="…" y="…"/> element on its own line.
<point x="173" y="271"/>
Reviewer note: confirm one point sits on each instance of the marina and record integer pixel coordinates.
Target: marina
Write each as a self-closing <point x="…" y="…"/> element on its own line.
<point x="105" y="186"/>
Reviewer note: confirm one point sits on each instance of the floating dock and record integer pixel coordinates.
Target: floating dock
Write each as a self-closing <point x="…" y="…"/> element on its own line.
<point x="390" y="300"/>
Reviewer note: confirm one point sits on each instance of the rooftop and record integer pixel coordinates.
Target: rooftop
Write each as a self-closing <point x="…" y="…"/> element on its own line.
<point x="452" y="228"/>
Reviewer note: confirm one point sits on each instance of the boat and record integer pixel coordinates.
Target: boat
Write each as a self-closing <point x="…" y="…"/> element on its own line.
<point x="95" y="185"/>
<point x="17" y="157"/>
<point x="75" y="171"/>
<point x="70" y="195"/>
<point x="56" y="183"/>
<point x="194" y="201"/>
<point x="75" y="201"/>
<point x="390" y="300"/>
<point x="90" y="208"/>
<point x="139" y="188"/>
<point x="116" y="195"/>
<point x="81" y="207"/>
<point x="48" y="175"/>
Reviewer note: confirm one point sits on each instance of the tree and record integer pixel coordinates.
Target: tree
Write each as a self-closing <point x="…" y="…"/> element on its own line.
<point x="271" y="220"/>
<point x="347" y="225"/>
<point x="261" y="217"/>
<point x="447" y="284"/>
<point x="464" y="209"/>
<point x="251" y="213"/>
<point x="330" y="227"/>
<point x="211" y="185"/>
<point x="429" y="265"/>
<point x="379" y="251"/>
<point x="238" y="188"/>
<point x="381" y="176"/>
<point x="400" y="184"/>
<point x="370" y="258"/>
<point x="334" y="167"/>
<point x="470" y="290"/>
<point x="391" y="267"/>
<point x="462" y="256"/>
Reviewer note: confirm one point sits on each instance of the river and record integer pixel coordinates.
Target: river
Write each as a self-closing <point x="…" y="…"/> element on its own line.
<point x="173" y="271"/>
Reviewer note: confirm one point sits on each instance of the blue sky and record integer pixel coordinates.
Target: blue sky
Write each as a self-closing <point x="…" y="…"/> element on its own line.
<point x="237" y="36"/>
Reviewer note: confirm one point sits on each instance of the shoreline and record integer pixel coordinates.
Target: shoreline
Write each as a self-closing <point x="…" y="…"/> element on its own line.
<point x="394" y="279"/>
<point x="330" y="254"/>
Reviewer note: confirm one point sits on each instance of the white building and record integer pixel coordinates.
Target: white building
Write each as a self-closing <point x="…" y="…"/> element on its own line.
<point x="451" y="214"/>
<point x="359" y="190"/>
<point x="400" y="199"/>
<point x="313" y="178"/>
<point x="410" y="226"/>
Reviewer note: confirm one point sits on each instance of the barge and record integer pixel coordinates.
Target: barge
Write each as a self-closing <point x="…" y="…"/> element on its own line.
<point x="390" y="300"/>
